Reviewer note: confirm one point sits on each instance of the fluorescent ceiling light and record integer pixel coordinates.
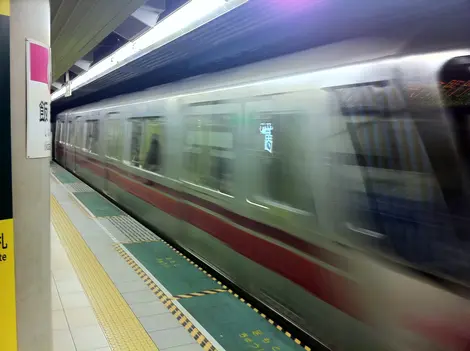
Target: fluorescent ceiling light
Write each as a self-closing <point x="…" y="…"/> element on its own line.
<point x="186" y="19"/>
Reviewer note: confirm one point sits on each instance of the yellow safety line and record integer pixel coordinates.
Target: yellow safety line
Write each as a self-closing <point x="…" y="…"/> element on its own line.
<point x="120" y="325"/>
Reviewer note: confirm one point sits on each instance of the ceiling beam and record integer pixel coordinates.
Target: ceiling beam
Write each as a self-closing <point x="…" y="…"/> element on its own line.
<point x="80" y="25"/>
<point x="147" y="15"/>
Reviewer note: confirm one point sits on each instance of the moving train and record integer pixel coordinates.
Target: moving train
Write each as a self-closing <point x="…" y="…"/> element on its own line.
<point x="333" y="187"/>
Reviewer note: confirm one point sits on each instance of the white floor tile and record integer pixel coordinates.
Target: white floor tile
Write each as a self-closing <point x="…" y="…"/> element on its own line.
<point x="74" y="300"/>
<point x="75" y="326"/>
<point x="63" y="273"/>
<point x="81" y="317"/>
<point x="59" y="261"/>
<point x="165" y="339"/>
<point x="89" y="338"/>
<point x="59" y="322"/>
<point x="54" y="289"/>
<point x="159" y="322"/>
<point x="69" y="286"/>
<point x="56" y="303"/>
<point x="148" y="308"/>
<point x="62" y="340"/>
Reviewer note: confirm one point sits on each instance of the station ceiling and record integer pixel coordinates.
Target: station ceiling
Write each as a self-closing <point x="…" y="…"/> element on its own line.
<point x="85" y="31"/>
<point x="78" y="26"/>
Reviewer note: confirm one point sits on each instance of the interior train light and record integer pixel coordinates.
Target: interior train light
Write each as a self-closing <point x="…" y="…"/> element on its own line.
<point x="184" y="20"/>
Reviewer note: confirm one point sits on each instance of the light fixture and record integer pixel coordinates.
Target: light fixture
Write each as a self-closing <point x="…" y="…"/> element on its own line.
<point x="184" y="20"/>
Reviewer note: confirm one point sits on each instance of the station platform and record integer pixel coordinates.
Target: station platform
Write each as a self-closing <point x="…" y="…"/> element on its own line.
<point x="118" y="286"/>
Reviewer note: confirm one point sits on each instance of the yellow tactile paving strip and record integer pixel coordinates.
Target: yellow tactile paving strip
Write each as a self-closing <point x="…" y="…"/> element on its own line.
<point x="120" y="325"/>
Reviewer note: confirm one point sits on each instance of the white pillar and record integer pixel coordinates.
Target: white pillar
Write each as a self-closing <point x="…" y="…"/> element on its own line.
<point x="31" y="189"/>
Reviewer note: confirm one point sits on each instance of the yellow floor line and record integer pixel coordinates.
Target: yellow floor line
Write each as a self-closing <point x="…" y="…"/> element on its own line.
<point x="120" y="325"/>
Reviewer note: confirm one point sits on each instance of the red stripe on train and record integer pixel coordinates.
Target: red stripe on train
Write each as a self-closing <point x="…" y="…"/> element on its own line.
<point x="275" y="233"/>
<point x="161" y="201"/>
<point x="319" y="281"/>
<point x="92" y="166"/>
<point x="449" y="331"/>
<point x="328" y="286"/>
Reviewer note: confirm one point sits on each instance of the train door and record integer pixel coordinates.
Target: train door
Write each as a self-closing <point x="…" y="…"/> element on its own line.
<point x="92" y="167"/>
<point x="78" y="143"/>
<point x="279" y="150"/>
<point x="210" y="138"/>
<point x="113" y="149"/>
<point x="69" y="142"/>
<point x="65" y="139"/>
<point x="59" y="141"/>
<point x="211" y="131"/>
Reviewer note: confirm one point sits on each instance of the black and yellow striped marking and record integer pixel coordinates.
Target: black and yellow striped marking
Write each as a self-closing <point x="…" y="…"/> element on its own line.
<point x="225" y="289"/>
<point x="168" y="302"/>
<point x="200" y="293"/>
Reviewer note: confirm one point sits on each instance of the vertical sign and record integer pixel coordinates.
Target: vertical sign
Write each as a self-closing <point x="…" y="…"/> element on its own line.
<point x="8" y="339"/>
<point x="266" y="129"/>
<point x="38" y="100"/>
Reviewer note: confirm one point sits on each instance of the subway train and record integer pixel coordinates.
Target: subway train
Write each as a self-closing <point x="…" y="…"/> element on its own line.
<point x="331" y="184"/>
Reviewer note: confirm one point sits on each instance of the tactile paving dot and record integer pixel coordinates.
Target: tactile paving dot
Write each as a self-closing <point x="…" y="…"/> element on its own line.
<point x="78" y="187"/>
<point x="120" y="325"/>
<point x="132" y="230"/>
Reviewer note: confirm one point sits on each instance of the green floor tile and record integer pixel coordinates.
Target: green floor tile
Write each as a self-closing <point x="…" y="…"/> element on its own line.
<point x="172" y="270"/>
<point x="65" y="177"/>
<point x="235" y="325"/>
<point x="99" y="206"/>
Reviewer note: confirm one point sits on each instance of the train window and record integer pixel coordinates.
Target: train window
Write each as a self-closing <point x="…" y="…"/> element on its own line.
<point x="80" y="134"/>
<point x="114" y="138"/>
<point x="92" y="130"/>
<point x="392" y="161"/>
<point x="280" y="173"/>
<point x="70" y="133"/>
<point x="77" y="139"/>
<point x="61" y="132"/>
<point x="388" y="196"/>
<point x="63" y="135"/>
<point x="209" y="151"/>
<point x="137" y="128"/>
<point x="147" y="143"/>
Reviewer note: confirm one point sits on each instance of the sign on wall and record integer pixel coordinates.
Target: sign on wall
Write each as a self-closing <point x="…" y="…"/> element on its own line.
<point x="38" y="100"/>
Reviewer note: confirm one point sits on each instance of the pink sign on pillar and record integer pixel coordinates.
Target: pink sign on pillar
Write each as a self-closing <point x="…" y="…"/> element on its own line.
<point x="39" y="63"/>
<point x="38" y="100"/>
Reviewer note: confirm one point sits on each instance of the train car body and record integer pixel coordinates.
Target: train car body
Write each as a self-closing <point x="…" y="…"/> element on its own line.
<point x="324" y="184"/>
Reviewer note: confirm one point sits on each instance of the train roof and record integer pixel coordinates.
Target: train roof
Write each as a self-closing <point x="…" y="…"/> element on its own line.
<point x="342" y="54"/>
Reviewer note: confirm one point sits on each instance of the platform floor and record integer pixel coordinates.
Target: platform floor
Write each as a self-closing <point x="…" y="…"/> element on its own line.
<point x="74" y="323"/>
<point x="117" y="286"/>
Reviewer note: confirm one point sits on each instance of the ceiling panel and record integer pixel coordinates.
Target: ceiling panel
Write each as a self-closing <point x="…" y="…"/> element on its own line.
<point x="79" y="25"/>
